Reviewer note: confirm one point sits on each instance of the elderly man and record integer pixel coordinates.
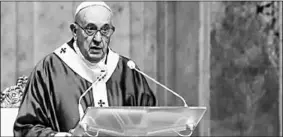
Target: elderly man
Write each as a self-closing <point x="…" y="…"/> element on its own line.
<point x="82" y="71"/>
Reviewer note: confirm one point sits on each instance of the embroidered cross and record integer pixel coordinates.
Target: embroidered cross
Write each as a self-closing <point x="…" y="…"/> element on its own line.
<point x="101" y="103"/>
<point x="63" y="50"/>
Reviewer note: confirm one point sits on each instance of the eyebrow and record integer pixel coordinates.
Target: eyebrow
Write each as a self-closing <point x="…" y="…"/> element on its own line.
<point x="92" y="24"/>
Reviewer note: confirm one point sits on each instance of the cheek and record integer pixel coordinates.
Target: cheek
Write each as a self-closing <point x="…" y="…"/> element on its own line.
<point x="82" y="38"/>
<point x="106" y="40"/>
<point x="86" y="40"/>
<point x="83" y="42"/>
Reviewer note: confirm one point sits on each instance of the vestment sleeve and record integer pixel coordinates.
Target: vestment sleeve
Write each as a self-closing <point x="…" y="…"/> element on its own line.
<point x="36" y="112"/>
<point x="145" y="97"/>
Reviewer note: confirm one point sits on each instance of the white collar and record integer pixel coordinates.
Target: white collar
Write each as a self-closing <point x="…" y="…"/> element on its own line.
<point x="74" y="61"/>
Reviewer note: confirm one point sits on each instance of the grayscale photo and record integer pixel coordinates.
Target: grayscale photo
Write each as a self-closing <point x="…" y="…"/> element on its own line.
<point x="141" y="68"/>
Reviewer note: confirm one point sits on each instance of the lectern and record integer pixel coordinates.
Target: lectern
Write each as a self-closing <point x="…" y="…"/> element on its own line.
<point x="139" y="121"/>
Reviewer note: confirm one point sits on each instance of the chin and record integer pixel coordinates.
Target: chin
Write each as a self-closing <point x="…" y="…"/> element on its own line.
<point x="95" y="58"/>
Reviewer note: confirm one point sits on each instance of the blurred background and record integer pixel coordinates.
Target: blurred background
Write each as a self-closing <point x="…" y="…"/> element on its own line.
<point x="222" y="55"/>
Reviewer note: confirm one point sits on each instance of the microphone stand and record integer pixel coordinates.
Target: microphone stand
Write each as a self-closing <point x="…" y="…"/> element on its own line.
<point x="131" y="65"/>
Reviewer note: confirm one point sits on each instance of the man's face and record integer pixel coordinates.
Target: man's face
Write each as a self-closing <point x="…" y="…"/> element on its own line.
<point x="94" y="46"/>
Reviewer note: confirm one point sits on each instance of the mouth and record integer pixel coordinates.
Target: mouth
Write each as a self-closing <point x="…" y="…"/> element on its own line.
<point x="96" y="47"/>
<point x="95" y="50"/>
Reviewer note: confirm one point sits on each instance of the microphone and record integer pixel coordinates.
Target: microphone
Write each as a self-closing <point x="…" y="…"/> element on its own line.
<point x="101" y="76"/>
<point x="132" y="65"/>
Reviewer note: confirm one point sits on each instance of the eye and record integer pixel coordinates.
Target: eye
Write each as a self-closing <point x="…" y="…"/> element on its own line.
<point x="105" y="29"/>
<point x="90" y="28"/>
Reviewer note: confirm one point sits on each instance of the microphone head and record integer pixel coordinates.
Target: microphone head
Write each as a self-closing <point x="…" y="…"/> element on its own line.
<point x="131" y="64"/>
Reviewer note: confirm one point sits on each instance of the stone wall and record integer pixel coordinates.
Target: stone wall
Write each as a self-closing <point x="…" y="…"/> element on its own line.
<point x="245" y="69"/>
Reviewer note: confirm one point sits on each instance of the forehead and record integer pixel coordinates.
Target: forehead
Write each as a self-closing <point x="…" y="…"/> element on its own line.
<point x="97" y="15"/>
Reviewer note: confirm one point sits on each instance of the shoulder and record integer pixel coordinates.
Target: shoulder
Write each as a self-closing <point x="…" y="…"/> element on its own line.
<point x="50" y="60"/>
<point x="124" y="61"/>
<point x="47" y="63"/>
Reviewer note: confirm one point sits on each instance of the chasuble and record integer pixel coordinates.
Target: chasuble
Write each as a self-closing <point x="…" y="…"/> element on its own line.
<point x="51" y="97"/>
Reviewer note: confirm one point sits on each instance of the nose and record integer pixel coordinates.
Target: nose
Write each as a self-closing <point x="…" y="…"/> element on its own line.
<point x="97" y="37"/>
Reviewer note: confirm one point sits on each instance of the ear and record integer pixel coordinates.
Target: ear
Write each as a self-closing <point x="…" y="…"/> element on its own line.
<point x="73" y="28"/>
